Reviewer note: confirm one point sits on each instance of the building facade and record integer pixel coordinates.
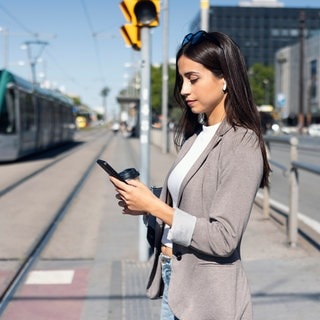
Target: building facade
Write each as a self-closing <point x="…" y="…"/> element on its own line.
<point x="270" y="34"/>
<point x="294" y="93"/>
<point x="261" y="31"/>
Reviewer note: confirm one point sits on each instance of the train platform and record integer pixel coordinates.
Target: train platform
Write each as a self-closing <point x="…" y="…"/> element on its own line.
<point x="101" y="276"/>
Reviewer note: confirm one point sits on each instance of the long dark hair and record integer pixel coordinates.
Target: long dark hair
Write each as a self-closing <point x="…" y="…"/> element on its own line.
<point x="221" y="55"/>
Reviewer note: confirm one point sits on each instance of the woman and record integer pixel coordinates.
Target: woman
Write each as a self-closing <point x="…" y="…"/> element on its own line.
<point x="207" y="197"/>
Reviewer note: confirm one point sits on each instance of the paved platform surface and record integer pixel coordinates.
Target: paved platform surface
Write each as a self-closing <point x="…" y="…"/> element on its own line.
<point x="109" y="279"/>
<point x="285" y="281"/>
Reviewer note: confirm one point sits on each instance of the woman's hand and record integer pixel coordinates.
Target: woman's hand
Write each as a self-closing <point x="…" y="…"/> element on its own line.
<point x="135" y="198"/>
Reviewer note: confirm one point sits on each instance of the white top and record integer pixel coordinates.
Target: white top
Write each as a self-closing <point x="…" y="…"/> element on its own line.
<point x="179" y="172"/>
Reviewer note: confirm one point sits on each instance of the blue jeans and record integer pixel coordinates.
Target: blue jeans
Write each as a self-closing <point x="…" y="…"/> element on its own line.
<point x="166" y="313"/>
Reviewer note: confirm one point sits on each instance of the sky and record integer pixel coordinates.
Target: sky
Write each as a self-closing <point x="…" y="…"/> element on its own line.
<point x="78" y="45"/>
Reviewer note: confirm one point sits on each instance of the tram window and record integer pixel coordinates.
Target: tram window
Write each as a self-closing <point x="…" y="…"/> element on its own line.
<point x="7" y="114"/>
<point x="4" y="120"/>
<point x="44" y="113"/>
<point x="27" y="112"/>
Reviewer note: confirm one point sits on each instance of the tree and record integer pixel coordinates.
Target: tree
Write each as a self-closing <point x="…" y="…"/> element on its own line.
<point x="261" y="79"/>
<point x="76" y="100"/>
<point x="156" y="89"/>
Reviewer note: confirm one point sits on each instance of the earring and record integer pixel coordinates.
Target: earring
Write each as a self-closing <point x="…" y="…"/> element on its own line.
<point x="224" y="89"/>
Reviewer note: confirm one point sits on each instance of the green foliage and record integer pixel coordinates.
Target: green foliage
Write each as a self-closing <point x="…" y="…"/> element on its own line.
<point x="261" y="79"/>
<point x="175" y="114"/>
<point x="156" y="89"/>
<point x="76" y="101"/>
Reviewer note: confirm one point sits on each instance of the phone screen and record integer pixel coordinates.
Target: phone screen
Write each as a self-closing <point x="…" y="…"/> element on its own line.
<point x="112" y="172"/>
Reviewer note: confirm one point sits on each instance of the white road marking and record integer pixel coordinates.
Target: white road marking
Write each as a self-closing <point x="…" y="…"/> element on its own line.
<point x="50" y="277"/>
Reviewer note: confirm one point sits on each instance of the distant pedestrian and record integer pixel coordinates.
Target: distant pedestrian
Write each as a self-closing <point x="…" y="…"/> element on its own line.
<point x="208" y="194"/>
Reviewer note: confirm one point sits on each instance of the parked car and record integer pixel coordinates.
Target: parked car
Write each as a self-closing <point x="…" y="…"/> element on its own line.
<point x="314" y="130"/>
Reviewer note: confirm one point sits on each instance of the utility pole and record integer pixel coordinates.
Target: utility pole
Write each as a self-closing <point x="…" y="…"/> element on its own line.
<point x="5" y="33"/>
<point x="301" y="74"/>
<point x="145" y="110"/>
<point x="205" y="5"/>
<point x="165" y="13"/>
<point x="6" y="36"/>
<point x="104" y="93"/>
<point x="33" y="59"/>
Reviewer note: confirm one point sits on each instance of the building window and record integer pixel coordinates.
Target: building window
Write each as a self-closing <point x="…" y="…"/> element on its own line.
<point x="294" y="32"/>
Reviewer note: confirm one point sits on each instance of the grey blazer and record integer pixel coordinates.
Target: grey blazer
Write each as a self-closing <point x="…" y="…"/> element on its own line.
<point x="208" y="281"/>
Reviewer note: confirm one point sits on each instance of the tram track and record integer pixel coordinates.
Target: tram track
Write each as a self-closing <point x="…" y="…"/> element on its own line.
<point x="42" y="240"/>
<point x="38" y="171"/>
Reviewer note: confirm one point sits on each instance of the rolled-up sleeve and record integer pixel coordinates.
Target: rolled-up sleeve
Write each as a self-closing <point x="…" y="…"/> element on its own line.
<point x="182" y="228"/>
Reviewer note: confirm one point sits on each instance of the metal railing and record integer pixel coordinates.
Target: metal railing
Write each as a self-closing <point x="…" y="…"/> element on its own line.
<point x="292" y="174"/>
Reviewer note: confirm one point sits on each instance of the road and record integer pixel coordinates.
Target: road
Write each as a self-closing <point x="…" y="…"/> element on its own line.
<point x="309" y="152"/>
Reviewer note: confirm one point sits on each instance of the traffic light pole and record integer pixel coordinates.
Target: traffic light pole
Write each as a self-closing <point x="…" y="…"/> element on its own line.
<point x="165" y="77"/>
<point x="145" y="123"/>
<point x="142" y="15"/>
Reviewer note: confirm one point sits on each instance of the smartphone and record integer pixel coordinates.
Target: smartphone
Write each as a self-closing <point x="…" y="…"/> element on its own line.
<point x="112" y="172"/>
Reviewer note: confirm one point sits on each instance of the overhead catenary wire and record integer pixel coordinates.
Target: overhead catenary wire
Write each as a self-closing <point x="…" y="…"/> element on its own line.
<point x="97" y="63"/>
<point x="95" y="42"/>
<point x="62" y="69"/>
<point x="37" y="36"/>
<point x="28" y="31"/>
<point x="18" y="22"/>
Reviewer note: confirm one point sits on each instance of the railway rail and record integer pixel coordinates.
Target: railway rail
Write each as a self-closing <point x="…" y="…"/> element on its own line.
<point x="62" y="152"/>
<point x="96" y="143"/>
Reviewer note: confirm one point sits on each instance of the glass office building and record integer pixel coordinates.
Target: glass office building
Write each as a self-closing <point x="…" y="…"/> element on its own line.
<point x="261" y="31"/>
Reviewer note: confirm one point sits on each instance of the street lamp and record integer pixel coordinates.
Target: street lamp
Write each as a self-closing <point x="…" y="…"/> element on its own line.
<point x="104" y="93"/>
<point x="281" y="61"/>
<point x="302" y="18"/>
<point x="266" y="91"/>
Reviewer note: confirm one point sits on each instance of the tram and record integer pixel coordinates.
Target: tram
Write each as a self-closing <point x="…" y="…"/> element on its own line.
<point x="32" y="119"/>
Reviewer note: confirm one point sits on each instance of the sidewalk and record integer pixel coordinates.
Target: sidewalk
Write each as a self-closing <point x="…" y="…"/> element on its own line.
<point x="285" y="281"/>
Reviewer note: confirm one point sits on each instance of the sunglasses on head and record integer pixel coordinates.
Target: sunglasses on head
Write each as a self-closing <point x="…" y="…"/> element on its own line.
<point x="194" y="38"/>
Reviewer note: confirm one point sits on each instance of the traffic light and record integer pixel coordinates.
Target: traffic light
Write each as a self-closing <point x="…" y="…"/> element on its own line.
<point x="147" y="13"/>
<point x="130" y="31"/>
<point x="131" y="36"/>
<point x="140" y="13"/>
<point x="127" y="8"/>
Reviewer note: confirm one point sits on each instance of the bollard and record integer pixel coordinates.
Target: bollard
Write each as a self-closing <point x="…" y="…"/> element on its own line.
<point x="266" y="191"/>
<point x="292" y="231"/>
